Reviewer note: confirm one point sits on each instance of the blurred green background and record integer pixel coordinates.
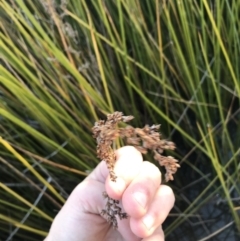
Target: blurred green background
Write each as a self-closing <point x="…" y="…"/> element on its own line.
<point x="66" y="63"/>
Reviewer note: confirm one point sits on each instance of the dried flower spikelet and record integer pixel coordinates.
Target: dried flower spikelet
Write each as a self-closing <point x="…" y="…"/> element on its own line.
<point x="105" y="132"/>
<point x="143" y="139"/>
<point x="112" y="210"/>
<point x="169" y="163"/>
<point x="148" y="138"/>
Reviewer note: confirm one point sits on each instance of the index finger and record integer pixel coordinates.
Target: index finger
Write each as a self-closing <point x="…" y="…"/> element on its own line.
<point x="127" y="166"/>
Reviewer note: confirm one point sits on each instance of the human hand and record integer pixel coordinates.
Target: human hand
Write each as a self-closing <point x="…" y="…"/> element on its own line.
<point x="146" y="202"/>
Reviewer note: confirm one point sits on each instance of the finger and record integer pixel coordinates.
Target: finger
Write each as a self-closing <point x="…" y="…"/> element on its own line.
<point x="99" y="174"/>
<point x="127" y="166"/>
<point x="156" y="214"/>
<point x="141" y="191"/>
<point x="125" y="230"/>
<point x="158" y="235"/>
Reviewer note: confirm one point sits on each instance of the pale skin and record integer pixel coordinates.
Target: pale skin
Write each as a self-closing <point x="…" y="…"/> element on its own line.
<point x="142" y="196"/>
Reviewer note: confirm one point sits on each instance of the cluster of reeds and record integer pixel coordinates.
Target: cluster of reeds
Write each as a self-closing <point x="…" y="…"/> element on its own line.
<point x="64" y="62"/>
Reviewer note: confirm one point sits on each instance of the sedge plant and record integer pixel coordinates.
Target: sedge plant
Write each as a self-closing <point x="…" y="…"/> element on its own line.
<point x="64" y="64"/>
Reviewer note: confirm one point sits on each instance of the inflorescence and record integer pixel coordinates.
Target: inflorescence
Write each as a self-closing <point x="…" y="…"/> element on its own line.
<point x="143" y="139"/>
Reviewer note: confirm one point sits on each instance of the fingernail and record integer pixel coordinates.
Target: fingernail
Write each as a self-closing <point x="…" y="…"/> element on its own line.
<point x="148" y="221"/>
<point x="140" y="198"/>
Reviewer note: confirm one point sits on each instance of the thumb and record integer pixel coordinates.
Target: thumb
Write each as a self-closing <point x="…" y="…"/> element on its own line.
<point x="87" y="196"/>
<point x="80" y="212"/>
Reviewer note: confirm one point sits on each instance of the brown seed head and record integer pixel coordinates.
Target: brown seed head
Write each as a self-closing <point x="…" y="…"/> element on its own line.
<point x="143" y="139"/>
